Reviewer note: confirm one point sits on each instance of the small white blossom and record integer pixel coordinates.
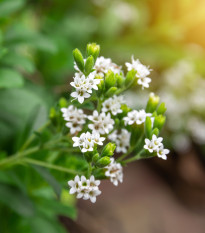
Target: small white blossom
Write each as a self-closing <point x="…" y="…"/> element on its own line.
<point x="162" y="153"/>
<point x="84" y="85"/>
<point x="121" y="139"/>
<point x="149" y="145"/>
<point x="113" y="104"/>
<point x="155" y="145"/>
<point x="85" y="188"/>
<point x="75" y="185"/>
<point x="137" y="117"/>
<point x="80" y="94"/>
<point x="86" y="141"/>
<point x="75" y="118"/>
<point x="103" y="65"/>
<point x="114" y="171"/>
<point x="101" y="123"/>
<point x="142" y="70"/>
<point x="144" y="82"/>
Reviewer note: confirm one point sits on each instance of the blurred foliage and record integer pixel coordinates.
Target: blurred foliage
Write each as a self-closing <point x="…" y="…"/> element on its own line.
<point x="36" y="42"/>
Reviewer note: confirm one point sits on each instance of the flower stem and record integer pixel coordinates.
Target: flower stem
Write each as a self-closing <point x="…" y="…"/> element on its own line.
<point x="51" y="166"/>
<point x="31" y="138"/>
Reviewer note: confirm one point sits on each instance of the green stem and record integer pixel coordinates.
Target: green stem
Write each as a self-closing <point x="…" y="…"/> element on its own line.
<point x="18" y="156"/>
<point x="125" y="155"/>
<point x="137" y="157"/>
<point x="31" y="138"/>
<point x="51" y="166"/>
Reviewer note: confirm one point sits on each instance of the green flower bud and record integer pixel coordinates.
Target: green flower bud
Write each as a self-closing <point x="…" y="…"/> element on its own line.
<point x="110" y="79"/>
<point x="94" y="50"/>
<point x="89" y="65"/>
<point x="155" y="131"/>
<point x="78" y="57"/>
<point x="152" y="102"/>
<point x="63" y="102"/>
<point x="104" y="161"/>
<point x="161" y="109"/>
<point x="108" y="150"/>
<point x="95" y="158"/>
<point x="159" y="121"/>
<point x="148" y="127"/>
<point x="52" y="113"/>
<point x="120" y="80"/>
<point x="130" y="77"/>
<point x="111" y="91"/>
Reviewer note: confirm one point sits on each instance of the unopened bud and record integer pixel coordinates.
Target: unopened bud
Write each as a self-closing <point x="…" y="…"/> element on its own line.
<point x="161" y="109"/>
<point x="159" y="121"/>
<point x="111" y="91"/>
<point x="89" y="65"/>
<point x="108" y="150"/>
<point x="63" y="103"/>
<point x="104" y="161"/>
<point x="78" y="57"/>
<point x="110" y="79"/>
<point x="152" y="102"/>
<point x="93" y="49"/>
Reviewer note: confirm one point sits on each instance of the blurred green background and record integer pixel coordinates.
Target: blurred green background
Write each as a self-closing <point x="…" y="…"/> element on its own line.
<point x="36" y="65"/>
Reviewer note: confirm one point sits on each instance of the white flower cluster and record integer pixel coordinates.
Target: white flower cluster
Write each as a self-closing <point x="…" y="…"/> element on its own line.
<point x="113" y="104"/>
<point x="75" y="118"/>
<point x="85" y="188"/>
<point x="84" y="86"/>
<point x="103" y="65"/>
<point x="155" y="145"/>
<point x="86" y="141"/>
<point x="114" y="172"/>
<point x="121" y="139"/>
<point x="142" y="72"/>
<point x="137" y="117"/>
<point x="102" y="123"/>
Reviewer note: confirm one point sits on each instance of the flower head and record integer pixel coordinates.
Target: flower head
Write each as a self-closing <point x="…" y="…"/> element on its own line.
<point x="114" y="172"/>
<point x="85" y="188"/>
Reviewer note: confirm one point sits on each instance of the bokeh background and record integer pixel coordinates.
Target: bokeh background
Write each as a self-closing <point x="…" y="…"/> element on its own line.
<point x="36" y="65"/>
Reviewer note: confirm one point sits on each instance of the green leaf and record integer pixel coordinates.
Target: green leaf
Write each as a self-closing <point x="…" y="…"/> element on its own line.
<point x="10" y="79"/>
<point x="45" y="174"/>
<point x="18" y="61"/>
<point x="41" y="223"/>
<point x="16" y="200"/>
<point x="8" y="7"/>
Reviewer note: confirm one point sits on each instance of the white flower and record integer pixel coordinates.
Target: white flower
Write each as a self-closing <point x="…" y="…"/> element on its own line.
<point x="121" y="139"/>
<point x="101" y="123"/>
<point x="157" y="140"/>
<point x="142" y="70"/>
<point x="137" y="117"/>
<point x="162" y="153"/>
<point x="103" y="65"/>
<point x="80" y="94"/>
<point x="85" y="188"/>
<point x="75" y="118"/>
<point x="84" y="85"/>
<point x="149" y="145"/>
<point x="97" y="139"/>
<point x="155" y="145"/>
<point x="113" y="104"/>
<point x="114" y="172"/>
<point x="144" y="82"/>
<point x="86" y="141"/>
<point x="74" y="184"/>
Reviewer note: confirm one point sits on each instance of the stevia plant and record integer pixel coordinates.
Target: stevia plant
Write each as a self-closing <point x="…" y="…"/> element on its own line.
<point x="97" y="125"/>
